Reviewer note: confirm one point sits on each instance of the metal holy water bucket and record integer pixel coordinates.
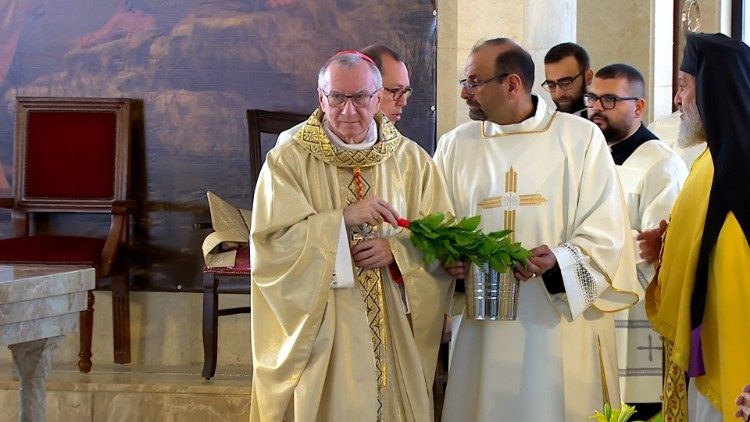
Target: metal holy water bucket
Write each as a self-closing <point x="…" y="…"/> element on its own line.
<point x="491" y="296"/>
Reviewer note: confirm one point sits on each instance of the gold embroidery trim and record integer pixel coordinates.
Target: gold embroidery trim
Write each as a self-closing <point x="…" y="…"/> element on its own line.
<point x="509" y="216"/>
<point x="497" y="201"/>
<point x="370" y="282"/>
<point x="499" y="135"/>
<point x="674" y="392"/>
<point x="313" y="138"/>
<point x="605" y="388"/>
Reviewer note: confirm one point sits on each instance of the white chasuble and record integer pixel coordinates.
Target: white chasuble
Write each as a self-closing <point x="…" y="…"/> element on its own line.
<point x="343" y="354"/>
<point x="550" y="178"/>
<point x="651" y="180"/>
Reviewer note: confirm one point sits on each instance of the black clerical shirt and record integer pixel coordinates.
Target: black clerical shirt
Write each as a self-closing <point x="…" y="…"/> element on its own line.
<point x="623" y="149"/>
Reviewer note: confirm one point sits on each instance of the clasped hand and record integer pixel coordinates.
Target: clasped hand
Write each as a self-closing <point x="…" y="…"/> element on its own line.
<point x="372" y="211"/>
<point x="373" y="253"/>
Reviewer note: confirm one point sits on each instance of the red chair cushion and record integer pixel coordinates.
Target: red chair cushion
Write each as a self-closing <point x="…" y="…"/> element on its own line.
<point x="54" y="250"/>
<point x="70" y="155"/>
<point x="241" y="264"/>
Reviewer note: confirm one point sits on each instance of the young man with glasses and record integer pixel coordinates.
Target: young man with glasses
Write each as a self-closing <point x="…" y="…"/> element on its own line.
<point x="567" y="70"/>
<point x="396" y="86"/>
<point x="652" y="175"/>
<point x="548" y="177"/>
<point x="347" y="320"/>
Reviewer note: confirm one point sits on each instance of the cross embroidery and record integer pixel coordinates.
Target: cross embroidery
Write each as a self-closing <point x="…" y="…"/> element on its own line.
<point x="510" y="200"/>
<point x="650" y="349"/>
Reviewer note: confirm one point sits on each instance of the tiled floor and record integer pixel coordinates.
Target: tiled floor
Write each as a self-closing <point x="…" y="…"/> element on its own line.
<point x="128" y="393"/>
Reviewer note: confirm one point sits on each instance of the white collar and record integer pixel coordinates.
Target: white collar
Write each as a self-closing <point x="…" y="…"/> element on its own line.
<point x="537" y="122"/>
<point x="370" y="138"/>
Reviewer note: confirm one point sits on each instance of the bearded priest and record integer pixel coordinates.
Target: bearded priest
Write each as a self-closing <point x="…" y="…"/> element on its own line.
<point x="550" y="177"/>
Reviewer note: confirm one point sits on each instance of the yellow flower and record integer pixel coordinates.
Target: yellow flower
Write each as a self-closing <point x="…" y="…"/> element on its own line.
<point x="614" y="415"/>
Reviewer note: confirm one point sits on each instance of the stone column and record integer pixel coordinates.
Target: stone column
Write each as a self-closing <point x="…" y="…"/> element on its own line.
<point x="638" y="33"/>
<point x="33" y="361"/>
<point x="535" y="24"/>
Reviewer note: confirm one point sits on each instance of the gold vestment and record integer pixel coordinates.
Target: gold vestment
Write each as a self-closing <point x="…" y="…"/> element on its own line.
<point x="724" y="333"/>
<point x="316" y="350"/>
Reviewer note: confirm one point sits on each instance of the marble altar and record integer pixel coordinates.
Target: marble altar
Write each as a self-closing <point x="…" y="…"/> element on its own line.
<point x="39" y="305"/>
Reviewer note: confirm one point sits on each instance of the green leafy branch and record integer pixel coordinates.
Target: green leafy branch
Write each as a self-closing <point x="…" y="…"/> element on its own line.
<point x="449" y="241"/>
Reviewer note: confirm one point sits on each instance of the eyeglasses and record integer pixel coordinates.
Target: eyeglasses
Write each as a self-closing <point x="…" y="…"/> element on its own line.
<point x="359" y="99"/>
<point x="563" y="83"/>
<point x="469" y="86"/>
<point x="608" y="101"/>
<point x="397" y="93"/>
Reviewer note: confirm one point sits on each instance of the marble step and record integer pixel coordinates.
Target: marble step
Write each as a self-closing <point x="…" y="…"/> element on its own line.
<point x="138" y="393"/>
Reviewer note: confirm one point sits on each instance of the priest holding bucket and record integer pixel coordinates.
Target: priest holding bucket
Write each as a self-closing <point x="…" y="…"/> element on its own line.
<point x="549" y="177"/>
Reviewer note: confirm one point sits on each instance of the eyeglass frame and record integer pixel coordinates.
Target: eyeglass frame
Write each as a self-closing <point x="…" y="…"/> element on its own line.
<point x="470" y="86"/>
<point x="397" y="93"/>
<point x="568" y="81"/>
<point x="349" y="97"/>
<point x="600" y="99"/>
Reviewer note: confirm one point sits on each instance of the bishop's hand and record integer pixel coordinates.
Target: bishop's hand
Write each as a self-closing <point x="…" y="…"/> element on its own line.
<point x="373" y="253"/>
<point x="649" y="242"/>
<point x="372" y="211"/>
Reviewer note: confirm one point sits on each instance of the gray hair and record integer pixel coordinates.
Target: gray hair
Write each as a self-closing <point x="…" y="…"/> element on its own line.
<point x="348" y="60"/>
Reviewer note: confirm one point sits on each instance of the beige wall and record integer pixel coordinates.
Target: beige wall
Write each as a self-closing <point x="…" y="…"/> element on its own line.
<point x="623" y="32"/>
<point x="637" y="32"/>
<point x="535" y="24"/>
<point x="715" y="17"/>
<point x="460" y="24"/>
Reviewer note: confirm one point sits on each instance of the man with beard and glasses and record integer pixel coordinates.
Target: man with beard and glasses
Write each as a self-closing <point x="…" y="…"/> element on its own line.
<point x="651" y="174"/>
<point x="699" y="301"/>
<point x="549" y="177"/>
<point x="567" y="70"/>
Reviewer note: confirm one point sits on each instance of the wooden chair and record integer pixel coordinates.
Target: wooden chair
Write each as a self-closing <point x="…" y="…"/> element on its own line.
<point x="72" y="155"/>
<point x="269" y="122"/>
<point x="236" y="279"/>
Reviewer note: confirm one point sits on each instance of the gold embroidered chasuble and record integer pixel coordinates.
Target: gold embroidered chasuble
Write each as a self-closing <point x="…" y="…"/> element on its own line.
<point x="349" y="353"/>
<point x="725" y="321"/>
